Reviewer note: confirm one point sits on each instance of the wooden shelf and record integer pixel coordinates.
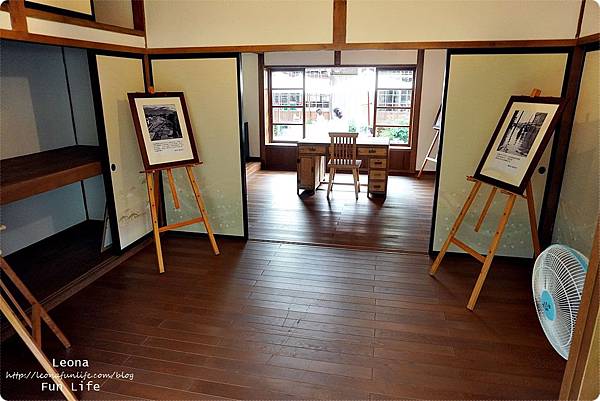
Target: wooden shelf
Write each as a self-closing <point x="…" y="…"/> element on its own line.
<point x="53" y="263"/>
<point x="24" y="176"/>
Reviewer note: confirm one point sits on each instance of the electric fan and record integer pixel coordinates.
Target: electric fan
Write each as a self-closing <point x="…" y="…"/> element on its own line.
<point x="557" y="282"/>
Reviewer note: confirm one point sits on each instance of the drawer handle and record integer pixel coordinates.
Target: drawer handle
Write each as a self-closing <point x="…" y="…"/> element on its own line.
<point x="377" y="162"/>
<point x="312" y="149"/>
<point x="372" y="150"/>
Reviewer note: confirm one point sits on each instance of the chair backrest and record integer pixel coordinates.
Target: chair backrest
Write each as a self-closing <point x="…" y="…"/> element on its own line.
<point x="343" y="147"/>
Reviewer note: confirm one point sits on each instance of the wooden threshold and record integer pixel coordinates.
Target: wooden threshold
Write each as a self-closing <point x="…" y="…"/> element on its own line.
<point x="33" y="174"/>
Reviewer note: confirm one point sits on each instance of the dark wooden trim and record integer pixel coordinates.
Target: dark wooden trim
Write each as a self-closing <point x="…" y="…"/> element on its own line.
<point x="58" y="41"/>
<point x="477" y="44"/>
<point x="139" y="16"/>
<point x="416" y="109"/>
<point x="439" y="155"/>
<point x="580" y="20"/>
<point x="337" y="58"/>
<point x="18" y="18"/>
<point x="64" y="19"/>
<point x="261" y="109"/>
<point x="585" y="40"/>
<point x="584" y="328"/>
<point x="242" y="146"/>
<point x="147" y="73"/>
<point x="560" y="146"/>
<point x="339" y="21"/>
<point x="30" y="5"/>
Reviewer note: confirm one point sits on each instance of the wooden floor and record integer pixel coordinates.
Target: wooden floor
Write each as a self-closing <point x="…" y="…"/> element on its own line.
<point x="400" y="222"/>
<point x="284" y="321"/>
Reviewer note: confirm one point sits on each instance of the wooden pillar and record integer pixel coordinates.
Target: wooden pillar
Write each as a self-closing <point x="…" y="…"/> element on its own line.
<point x="18" y="18"/>
<point x="339" y="22"/>
<point x="560" y="148"/>
<point x="414" y="130"/>
<point x="139" y="19"/>
<point x="261" y="111"/>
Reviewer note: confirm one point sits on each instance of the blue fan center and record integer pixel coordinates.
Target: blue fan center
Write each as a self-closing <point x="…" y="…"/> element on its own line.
<point x="548" y="305"/>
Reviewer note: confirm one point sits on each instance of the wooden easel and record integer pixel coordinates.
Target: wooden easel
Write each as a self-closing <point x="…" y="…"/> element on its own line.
<point x="33" y="341"/>
<point x="487" y="260"/>
<point x="428" y="155"/>
<point x="150" y="175"/>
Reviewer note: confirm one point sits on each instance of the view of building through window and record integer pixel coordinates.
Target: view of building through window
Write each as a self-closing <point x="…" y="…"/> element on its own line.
<point x="311" y="102"/>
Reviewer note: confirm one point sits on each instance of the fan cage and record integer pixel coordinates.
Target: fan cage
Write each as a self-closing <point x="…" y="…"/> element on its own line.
<point x="560" y="271"/>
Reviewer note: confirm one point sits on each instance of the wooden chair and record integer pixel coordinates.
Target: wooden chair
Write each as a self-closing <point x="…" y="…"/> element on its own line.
<point x="342" y="155"/>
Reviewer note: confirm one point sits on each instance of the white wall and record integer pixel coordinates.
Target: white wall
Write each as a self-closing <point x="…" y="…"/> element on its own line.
<point x="299" y="58"/>
<point x="114" y="12"/>
<point x="375" y="57"/>
<point x="443" y="20"/>
<point x="77" y="32"/>
<point x="434" y="67"/>
<point x="5" y="20"/>
<point x="579" y="197"/>
<point x="35" y="116"/>
<point x="250" y="101"/>
<point x="591" y="18"/>
<point x="80" y="6"/>
<point x="238" y="22"/>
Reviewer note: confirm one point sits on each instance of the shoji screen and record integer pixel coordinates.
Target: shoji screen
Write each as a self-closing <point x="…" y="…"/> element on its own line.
<point x="116" y="77"/>
<point x="478" y="88"/>
<point x="579" y="196"/>
<point x="211" y="92"/>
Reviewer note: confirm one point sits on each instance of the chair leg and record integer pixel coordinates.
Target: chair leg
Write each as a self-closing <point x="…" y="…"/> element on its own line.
<point x="331" y="176"/>
<point x="358" y="179"/>
<point x="355" y="177"/>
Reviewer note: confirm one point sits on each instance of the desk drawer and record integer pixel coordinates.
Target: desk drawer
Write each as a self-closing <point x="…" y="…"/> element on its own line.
<point x="376" y="175"/>
<point x="311" y="149"/>
<point x="378" y="163"/>
<point x="376" y="186"/>
<point x="372" y="151"/>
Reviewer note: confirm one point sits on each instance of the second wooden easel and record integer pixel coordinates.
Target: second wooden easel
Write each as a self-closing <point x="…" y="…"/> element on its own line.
<point x="487" y="259"/>
<point x="150" y="176"/>
<point x="428" y="157"/>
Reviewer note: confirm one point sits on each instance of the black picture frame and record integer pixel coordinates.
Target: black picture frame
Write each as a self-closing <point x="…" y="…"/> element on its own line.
<point x="148" y="165"/>
<point x="527" y="135"/>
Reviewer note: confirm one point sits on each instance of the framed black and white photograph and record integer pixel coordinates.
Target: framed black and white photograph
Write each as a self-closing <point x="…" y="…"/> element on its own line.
<point x="519" y="141"/>
<point x="163" y="129"/>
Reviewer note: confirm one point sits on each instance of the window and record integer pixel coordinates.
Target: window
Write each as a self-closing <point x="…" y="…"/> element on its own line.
<point x="287" y="105"/>
<point x="312" y="101"/>
<point x="394" y="105"/>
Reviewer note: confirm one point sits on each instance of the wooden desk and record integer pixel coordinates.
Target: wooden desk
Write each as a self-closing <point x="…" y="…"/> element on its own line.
<point x="313" y="154"/>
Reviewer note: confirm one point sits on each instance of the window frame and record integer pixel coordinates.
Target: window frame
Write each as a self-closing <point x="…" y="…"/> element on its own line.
<point x="303" y="106"/>
<point x="410" y="67"/>
<point x="376" y="107"/>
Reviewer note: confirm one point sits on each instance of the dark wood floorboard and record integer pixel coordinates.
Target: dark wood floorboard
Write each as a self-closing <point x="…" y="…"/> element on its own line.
<point x="285" y="321"/>
<point x="399" y="222"/>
